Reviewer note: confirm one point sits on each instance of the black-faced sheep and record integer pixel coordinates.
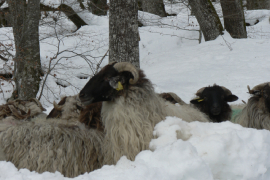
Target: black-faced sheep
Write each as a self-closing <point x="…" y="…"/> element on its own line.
<point x="256" y="113"/>
<point x="130" y="109"/>
<point x="213" y="101"/>
<point x="122" y="125"/>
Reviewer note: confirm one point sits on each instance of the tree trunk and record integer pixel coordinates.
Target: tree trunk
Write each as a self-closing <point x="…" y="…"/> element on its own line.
<point x="207" y="17"/>
<point x="154" y="7"/>
<point x="123" y="32"/>
<point x="27" y="66"/>
<point x="98" y="7"/>
<point x="258" y="4"/>
<point x="234" y="19"/>
<point x="140" y="5"/>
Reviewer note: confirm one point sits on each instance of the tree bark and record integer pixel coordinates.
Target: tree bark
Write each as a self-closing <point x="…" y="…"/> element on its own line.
<point x="154" y="7"/>
<point x="98" y="7"/>
<point x="27" y="66"/>
<point x="207" y="17"/>
<point x="258" y="4"/>
<point x="234" y="19"/>
<point x="123" y="32"/>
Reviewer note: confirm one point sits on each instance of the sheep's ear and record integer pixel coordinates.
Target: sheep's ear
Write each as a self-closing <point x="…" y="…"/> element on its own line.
<point x="231" y="98"/>
<point x="197" y="101"/>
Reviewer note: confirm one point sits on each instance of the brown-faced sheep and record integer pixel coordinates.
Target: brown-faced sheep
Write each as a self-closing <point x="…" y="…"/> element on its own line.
<point x="213" y="101"/>
<point x="130" y="109"/>
<point x="69" y="108"/>
<point x="256" y="113"/>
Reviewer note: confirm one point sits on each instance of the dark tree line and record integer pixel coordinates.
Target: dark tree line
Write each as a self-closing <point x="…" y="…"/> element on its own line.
<point x="258" y="4"/>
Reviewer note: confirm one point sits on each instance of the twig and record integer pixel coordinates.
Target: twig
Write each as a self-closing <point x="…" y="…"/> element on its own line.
<point x="4" y="59"/>
<point x="99" y="63"/>
<point x="227" y="43"/>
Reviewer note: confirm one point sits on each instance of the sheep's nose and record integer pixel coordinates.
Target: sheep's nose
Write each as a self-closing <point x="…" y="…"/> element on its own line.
<point x="215" y="110"/>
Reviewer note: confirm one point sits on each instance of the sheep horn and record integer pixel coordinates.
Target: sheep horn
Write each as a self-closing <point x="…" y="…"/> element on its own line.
<point x="199" y="92"/>
<point x="17" y="114"/>
<point x="39" y="104"/>
<point x="227" y="91"/>
<point x="249" y="91"/>
<point x="177" y="98"/>
<point x="126" y="66"/>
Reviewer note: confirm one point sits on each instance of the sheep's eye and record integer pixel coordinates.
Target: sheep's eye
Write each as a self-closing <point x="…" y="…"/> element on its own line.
<point x="257" y="93"/>
<point x="106" y="79"/>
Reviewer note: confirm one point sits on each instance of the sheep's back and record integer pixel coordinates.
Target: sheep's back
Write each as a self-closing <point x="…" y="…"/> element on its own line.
<point x="53" y="145"/>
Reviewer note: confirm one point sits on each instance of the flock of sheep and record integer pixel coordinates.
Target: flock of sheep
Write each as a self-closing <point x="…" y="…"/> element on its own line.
<point x="114" y="115"/>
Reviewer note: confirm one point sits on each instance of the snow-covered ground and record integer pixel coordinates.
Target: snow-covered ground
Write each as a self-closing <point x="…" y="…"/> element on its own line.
<point x="174" y="61"/>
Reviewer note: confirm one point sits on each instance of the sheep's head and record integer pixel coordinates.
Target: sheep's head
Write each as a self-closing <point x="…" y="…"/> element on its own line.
<point x="213" y="98"/>
<point x="262" y="93"/>
<point x="109" y="82"/>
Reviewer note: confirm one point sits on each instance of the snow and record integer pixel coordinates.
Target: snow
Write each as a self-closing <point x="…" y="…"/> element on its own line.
<point x="174" y="61"/>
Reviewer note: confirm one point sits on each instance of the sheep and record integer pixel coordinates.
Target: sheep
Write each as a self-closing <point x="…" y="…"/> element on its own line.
<point x="91" y="116"/>
<point x="256" y="113"/>
<point x="130" y="109"/>
<point x="120" y="125"/>
<point x="21" y="109"/>
<point x="213" y="101"/>
<point x="52" y="145"/>
<point x="69" y="108"/>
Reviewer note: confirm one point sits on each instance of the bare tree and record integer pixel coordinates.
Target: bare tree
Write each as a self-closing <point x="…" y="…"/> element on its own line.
<point x="154" y="7"/>
<point x="98" y="7"/>
<point x="123" y="32"/>
<point x="207" y="17"/>
<point x="234" y="19"/>
<point x="27" y="67"/>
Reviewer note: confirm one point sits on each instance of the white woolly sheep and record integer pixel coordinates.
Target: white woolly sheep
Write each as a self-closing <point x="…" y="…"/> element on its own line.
<point x="122" y="125"/>
<point x="256" y="113"/>
<point x="130" y="109"/>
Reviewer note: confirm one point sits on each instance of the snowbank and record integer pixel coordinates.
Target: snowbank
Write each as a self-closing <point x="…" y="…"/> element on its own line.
<point x="211" y="151"/>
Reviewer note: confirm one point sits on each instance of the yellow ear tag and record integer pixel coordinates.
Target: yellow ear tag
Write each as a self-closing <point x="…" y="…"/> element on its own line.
<point x="119" y="86"/>
<point x="200" y="100"/>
